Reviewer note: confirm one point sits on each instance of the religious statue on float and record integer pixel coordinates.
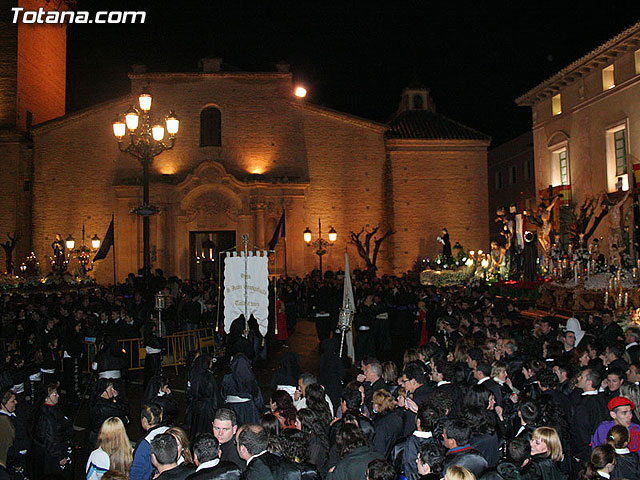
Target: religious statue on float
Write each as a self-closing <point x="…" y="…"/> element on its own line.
<point x="545" y="212"/>
<point x="446" y="244"/>
<point x="59" y="254"/>
<point x="615" y="220"/>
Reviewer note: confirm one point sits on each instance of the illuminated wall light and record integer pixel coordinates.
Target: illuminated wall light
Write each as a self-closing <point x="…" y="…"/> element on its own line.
<point x="300" y="92"/>
<point x="168" y="169"/>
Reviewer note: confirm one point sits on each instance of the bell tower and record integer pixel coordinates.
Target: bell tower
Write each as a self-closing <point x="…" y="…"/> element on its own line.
<point x="416" y="97"/>
<point x="32" y="91"/>
<point x="33" y="65"/>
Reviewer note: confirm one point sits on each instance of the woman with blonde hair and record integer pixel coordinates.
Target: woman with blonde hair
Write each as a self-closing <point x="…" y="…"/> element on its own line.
<point x="184" y="447"/>
<point x="113" y="452"/>
<point x="455" y="472"/>
<point x="546" y="454"/>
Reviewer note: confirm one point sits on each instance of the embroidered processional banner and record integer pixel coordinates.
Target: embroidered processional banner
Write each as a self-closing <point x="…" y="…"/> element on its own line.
<point x="246" y="288"/>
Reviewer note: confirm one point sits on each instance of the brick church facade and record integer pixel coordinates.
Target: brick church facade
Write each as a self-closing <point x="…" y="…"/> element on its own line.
<point x="247" y="150"/>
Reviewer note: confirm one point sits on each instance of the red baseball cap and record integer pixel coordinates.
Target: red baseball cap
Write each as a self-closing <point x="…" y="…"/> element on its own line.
<point x="616" y="402"/>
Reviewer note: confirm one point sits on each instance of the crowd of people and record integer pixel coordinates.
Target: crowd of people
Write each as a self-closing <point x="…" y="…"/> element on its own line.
<point x="444" y="383"/>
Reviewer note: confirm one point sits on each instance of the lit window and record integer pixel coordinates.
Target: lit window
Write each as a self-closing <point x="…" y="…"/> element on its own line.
<point x="637" y="61"/>
<point x="556" y="104"/>
<point x="560" y="168"/>
<point x="564" y="168"/>
<point x="607" y="78"/>
<point x="514" y="175"/>
<point x="498" y="179"/>
<point x="210" y="127"/>
<point x="617" y="164"/>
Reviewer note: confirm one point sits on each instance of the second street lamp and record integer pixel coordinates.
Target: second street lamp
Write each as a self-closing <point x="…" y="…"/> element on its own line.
<point x="146" y="141"/>
<point x="320" y="244"/>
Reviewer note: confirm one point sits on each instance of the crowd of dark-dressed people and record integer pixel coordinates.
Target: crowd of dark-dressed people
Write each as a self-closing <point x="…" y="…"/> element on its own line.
<point x="444" y="383"/>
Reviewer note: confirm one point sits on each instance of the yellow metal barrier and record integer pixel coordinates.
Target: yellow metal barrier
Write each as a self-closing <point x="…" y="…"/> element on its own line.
<point x="178" y="346"/>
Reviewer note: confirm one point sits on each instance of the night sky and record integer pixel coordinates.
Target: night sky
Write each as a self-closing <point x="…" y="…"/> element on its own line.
<point x="356" y="57"/>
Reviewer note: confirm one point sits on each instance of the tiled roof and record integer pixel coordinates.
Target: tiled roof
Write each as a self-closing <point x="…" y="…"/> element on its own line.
<point x="428" y="125"/>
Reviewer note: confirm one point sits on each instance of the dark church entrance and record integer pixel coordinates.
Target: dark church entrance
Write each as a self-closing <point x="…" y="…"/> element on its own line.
<point x="204" y="249"/>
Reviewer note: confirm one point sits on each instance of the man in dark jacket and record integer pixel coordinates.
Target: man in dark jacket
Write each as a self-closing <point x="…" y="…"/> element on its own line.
<point x="589" y="410"/>
<point x="482" y="374"/>
<point x="414" y="381"/>
<point x="456" y="435"/>
<point x="426" y="422"/>
<point x="372" y="380"/>
<point x="252" y="443"/>
<point x="206" y="450"/>
<point x="164" y="455"/>
<point x="225" y="427"/>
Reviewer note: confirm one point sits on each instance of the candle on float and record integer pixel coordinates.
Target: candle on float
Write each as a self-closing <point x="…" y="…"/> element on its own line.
<point x="606" y="298"/>
<point x="626" y="299"/>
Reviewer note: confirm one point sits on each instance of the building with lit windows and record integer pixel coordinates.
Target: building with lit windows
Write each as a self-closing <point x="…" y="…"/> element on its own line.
<point x="586" y="123"/>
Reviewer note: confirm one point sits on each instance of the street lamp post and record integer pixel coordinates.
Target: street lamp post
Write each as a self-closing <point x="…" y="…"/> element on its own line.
<point x="83" y="252"/>
<point x="320" y="244"/>
<point x="145" y="143"/>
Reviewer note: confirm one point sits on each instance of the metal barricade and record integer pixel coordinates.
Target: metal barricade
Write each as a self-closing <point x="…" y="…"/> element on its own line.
<point x="178" y="346"/>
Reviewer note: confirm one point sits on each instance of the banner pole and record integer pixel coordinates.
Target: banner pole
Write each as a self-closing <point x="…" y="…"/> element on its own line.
<point x="245" y="239"/>
<point x="114" y="250"/>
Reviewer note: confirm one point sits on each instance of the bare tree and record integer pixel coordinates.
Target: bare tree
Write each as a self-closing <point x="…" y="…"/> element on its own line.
<point x="364" y="245"/>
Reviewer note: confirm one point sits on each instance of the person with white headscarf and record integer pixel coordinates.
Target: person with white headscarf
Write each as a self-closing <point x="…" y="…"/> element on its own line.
<point x="573" y="325"/>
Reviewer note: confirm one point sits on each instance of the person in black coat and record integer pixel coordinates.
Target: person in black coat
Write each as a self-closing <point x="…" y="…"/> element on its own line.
<point x="589" y="410"/>
<point x="164" y="455"/>
<point x="153" y="345"/>
<point x="52" y="449"/>
<point x="546" y="454"/>
<point x="295" y="447"/>
<point x="105" y="403"/>
<point x="73" y="353"/>
<point x="456" y="437"/>
<point x="241" y="391"/>
<point x="611" y="331"/>
<point x="426" y="422"/>
<point x="355" y="454"/>
<point x="288" y="372"/>
<point x="318" y="439"/>
<point x="109" y="362"/>
<point x="331" y="370"/>
<point x="209" y="466"/>
<point x="158" y="392"/>
<point x="511" y="468"/>
<point x="252" y="442"/>
<point x="203" y="396"/>
<point x="627" y="463"/>
<point x="387" y="423"/>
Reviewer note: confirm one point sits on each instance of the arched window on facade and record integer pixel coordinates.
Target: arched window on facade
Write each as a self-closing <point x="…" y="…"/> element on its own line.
<point x="417" y="102"/>
<point x="210" y="127"/>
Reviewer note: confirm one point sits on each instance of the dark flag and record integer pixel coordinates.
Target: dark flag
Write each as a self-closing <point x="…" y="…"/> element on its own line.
<point x="107" y="243"/>
<point x="278" y="234"/>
